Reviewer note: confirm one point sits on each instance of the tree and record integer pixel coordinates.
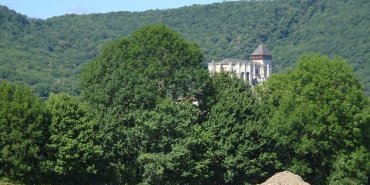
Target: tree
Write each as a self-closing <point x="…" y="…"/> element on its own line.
<point x="23" y="133"/>
<point x="351" y="168"/>
<point x="162" y="133"/>
<point x="129" y="79"/>
<point x="316" y="113"/>
<point x="242" y="150"/>
<point x="135" y="71"/>
<point x="74" y="152"/>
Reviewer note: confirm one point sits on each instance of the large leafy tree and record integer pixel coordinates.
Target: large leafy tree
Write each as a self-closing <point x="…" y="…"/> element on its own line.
<point x="242" y="151"/>
<point x="23" y="133"/>
<point x="133" y="72"/>
<point x="128" y="80"/>
<point x="318" y="118"/>
<point x="162" y="133"/>
<point x="74" y="152"/>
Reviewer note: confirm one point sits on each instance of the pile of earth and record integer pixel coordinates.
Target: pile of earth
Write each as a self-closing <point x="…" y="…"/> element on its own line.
<point x="285" y="178"/>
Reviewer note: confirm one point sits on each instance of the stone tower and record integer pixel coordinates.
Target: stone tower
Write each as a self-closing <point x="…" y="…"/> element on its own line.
<point x="262" y="63"/>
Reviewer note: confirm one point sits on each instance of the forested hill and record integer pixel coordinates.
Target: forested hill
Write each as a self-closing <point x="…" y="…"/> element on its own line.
<point x="49" y="54"/>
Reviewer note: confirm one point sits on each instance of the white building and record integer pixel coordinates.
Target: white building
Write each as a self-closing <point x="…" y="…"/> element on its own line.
<point x="254" y="71"/>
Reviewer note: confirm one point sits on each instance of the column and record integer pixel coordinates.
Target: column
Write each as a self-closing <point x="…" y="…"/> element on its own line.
<point x="213" y="67"/>
<point x="245" y="72"/>
<point x="262" y="71"/>
<point x="254" y="69"/>
<point x="231" y="67"/>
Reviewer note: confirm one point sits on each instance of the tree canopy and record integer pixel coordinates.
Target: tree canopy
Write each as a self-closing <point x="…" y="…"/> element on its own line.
<point x="73" y="149"/>
<point x="317" y="114"/>
<point x="133" y="72"/>
<point x="48" y="55"/>
<point x="149" y="114"/>
<point x="23" y="133"/>
<point x="128" y="81"/>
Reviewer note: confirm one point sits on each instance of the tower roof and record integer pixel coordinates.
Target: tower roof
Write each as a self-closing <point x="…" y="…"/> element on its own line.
<point x="262" y="50"/>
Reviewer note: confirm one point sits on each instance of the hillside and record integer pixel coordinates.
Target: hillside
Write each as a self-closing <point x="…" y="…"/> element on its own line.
<point x="49" y="54"/>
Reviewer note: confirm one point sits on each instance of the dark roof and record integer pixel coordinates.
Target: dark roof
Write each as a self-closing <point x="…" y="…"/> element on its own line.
<point x="262" y="50"/>
<point x="233" y="61"/>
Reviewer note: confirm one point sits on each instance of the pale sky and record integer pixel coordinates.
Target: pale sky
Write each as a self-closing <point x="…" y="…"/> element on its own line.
<point x="49" y="8"/>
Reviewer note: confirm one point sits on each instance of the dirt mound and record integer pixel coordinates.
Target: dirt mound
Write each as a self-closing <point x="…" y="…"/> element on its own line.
<point x="285" y="178"/>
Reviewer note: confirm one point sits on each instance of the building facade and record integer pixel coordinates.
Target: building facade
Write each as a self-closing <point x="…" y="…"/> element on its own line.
<point x="256" y="70"/>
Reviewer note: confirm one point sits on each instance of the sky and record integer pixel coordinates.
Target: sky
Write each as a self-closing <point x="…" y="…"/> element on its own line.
<point x="48" y="8"/>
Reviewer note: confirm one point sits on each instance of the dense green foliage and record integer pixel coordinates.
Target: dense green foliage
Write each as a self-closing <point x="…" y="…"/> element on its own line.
<point x="242" y="150"/>
<point x="23" y="133"/>
<point x="135" y="71"/>
<point x="318" y="116"/>
<point x="49" y="54"/>
<point x="135" y="122"/>
<point x="131" y="82"/>
<point x="74" y="151"/>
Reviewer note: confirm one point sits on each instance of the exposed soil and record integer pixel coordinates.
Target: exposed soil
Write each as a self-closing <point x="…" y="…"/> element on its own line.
<point x="285" y="178"/>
